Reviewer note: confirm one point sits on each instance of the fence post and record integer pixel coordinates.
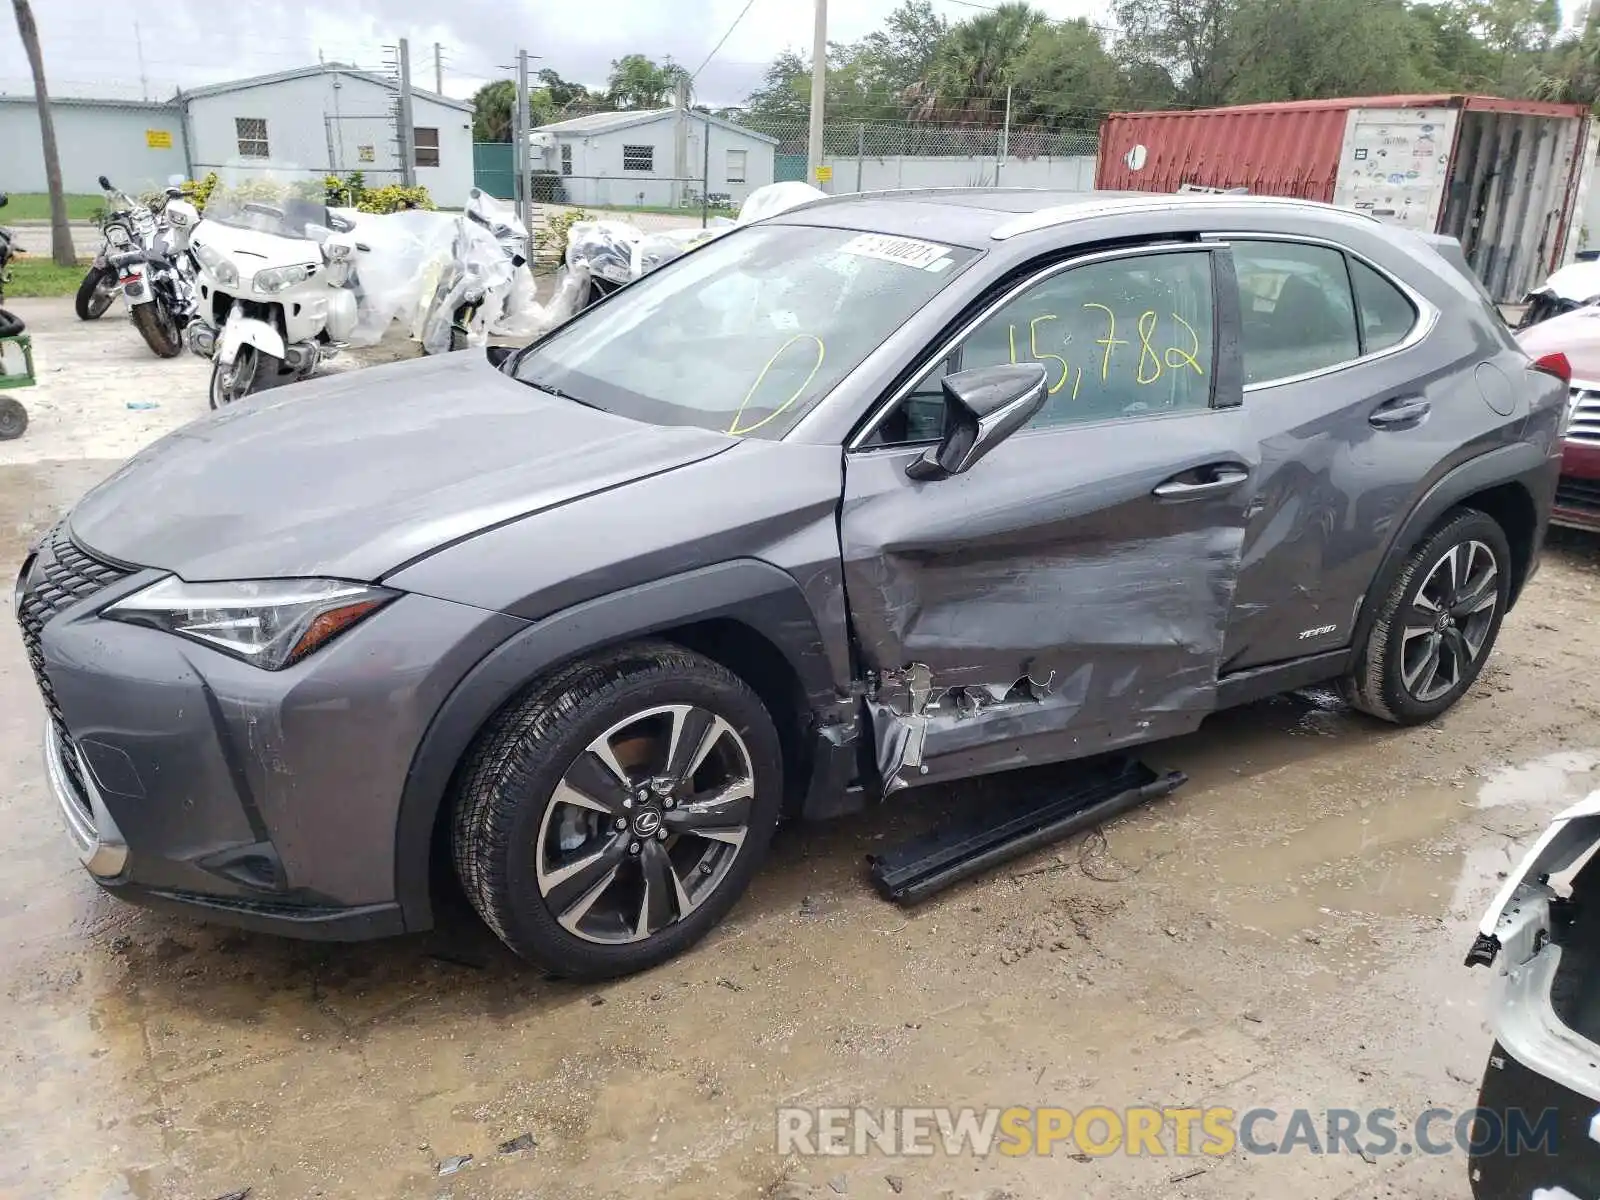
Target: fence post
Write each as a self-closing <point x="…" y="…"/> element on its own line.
<point x="861" y="150"/>
<point x="1005" y="139"/>
<point x="705" y="179"/>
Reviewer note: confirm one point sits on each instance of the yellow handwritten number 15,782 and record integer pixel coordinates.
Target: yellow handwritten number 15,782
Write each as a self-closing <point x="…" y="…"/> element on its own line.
<point x="1152" y="363"/>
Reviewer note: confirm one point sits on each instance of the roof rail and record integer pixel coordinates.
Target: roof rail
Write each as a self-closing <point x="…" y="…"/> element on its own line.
<point x="1045" y="218"/>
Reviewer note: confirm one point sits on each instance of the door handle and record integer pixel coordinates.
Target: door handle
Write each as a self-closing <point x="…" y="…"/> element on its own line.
<point x="1403" y="413"/>
<point x="1202" y="481"/>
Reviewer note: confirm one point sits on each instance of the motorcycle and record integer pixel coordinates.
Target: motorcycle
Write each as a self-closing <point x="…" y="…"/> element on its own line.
<point x="276" y="295"/>
<point x="157" y="280"/>
<point x="127" y="225"/>
<point x="484" y="268"/>
<point x="1576" y="285"/>
<point x="13" y="416"/>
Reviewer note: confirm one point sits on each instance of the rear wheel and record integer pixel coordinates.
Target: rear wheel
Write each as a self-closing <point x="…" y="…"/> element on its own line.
<point x="606" y="821"/>
<point x="1438" y="623"/>
<point x="156" y="325"/>
<point x="95" y="293"/>
<point x="13" y="418"/>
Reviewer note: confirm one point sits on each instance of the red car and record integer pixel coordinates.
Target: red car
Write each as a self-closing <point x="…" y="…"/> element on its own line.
<point x="1577" y="335"/>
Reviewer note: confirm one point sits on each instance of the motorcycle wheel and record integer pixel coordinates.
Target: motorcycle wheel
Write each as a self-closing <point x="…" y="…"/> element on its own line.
<point x="156" y="325"/>
<point x="235" y="383"/>
<point x="13" y="418"/>
<point x="95" y="293"/>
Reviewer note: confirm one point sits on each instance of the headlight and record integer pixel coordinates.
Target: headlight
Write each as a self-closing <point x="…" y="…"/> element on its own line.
<point x="271" y="623"/>
<point x="226" y="274"/>
<point x="276" y="279"/>
<point x="117" y="235"/>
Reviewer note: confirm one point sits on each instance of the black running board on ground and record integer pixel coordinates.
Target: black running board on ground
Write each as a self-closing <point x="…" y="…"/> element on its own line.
<point x="1038" y="813"/>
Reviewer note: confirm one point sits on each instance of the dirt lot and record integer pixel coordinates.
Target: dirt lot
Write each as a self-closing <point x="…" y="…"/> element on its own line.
<point x="1287" y="930"/>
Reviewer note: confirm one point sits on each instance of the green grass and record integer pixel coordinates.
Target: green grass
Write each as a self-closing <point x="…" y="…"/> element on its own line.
<point x="35" y="206"/>
<point x="35" y="276"/>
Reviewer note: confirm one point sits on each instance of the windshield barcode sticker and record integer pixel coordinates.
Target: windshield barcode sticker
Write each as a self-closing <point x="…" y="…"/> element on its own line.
<point x="909" y="252"/>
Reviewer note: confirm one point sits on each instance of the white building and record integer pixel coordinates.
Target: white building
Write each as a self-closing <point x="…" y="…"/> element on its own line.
<point x="653" y="157"/>
<point x="303" y="124"/>
<point x="326" y="119"/>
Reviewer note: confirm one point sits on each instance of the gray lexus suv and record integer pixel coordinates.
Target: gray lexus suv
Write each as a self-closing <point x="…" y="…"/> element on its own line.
<point x="888" y="490"/>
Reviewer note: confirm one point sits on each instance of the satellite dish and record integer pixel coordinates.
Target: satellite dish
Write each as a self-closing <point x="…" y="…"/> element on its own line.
<point x="1136" y="157"/>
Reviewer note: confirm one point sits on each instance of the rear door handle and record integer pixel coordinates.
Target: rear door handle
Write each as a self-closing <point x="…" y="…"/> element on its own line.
<point x="1404" y="413"/>
<point x="1202" y="481"/>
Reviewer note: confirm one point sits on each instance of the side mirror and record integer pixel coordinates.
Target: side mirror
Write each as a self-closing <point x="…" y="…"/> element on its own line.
<point x="497" y="355"/>
<point x="105" y="184"/>
<point x="982" y="408"/>
<point x="4" y="199"/>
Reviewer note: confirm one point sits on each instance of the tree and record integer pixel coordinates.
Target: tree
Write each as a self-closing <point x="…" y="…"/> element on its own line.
<point x="1064" y="74"/>
<point x="1449" y="53"/>
<point x="563" y="93"/>
<point x="61" y="250"/>
<point x="1516" y="30"/>
<point x="975" y="62"/>
<point x="1571" y="71"/>
<point x="1316" y="49"/>
<point x="639" y="82"/>
<point x="493" y="109"/>
<point x="1192" y="42"/>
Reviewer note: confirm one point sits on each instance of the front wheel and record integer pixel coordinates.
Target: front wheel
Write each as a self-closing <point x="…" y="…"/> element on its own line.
<point x="95" y="293"/>
<point x="250" y="370"/>
<point x="609" y="818"/>
<point x="1438" y="623"/>
<point x="155" y="323"/>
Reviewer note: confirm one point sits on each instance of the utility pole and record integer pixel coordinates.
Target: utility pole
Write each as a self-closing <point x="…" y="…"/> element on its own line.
<point x="408" y="136"/>
<point x="819" y="90"/>
<point x="61" y="251"/>
<point x="680" y="144"/>
<point x="523" y="155"/>
<point x="438" y="69"/>
<point x="138" y="45"/>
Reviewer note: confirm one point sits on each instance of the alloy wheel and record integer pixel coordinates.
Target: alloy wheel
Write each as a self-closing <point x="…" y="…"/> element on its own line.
<point x="234" y="383"/>
<point x="645" y="824"/>
<point x="1449" y="621"/>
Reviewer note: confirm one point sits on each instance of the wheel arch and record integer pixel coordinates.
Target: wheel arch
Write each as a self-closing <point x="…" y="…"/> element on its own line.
<point x="747" y="615"/>
<point x="1506" y="484"/>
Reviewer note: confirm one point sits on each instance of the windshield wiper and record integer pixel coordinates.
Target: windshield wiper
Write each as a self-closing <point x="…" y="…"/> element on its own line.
<point x="558" y="393"/>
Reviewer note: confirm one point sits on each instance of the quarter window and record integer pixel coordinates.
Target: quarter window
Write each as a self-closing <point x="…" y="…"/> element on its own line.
<point x="638" y="158"/>
<point x="1296" y="311"/>
<point x="1120" y="339"/>
<point x="252" y="137"/>
<point x="1387" y="317"/>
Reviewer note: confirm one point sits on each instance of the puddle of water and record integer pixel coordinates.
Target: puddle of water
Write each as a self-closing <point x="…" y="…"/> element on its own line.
<point x="1554" y="779"/>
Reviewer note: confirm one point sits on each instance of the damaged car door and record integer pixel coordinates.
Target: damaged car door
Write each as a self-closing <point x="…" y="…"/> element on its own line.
<point x="1070" y="592"/>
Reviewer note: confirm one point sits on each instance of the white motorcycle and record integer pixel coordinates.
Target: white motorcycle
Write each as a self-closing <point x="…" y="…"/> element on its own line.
<point x="275" y="291"/>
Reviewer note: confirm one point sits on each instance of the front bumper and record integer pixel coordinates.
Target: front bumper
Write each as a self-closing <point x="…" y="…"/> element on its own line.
<point x="1577" y="504"/>
<point x="265" y="799"/>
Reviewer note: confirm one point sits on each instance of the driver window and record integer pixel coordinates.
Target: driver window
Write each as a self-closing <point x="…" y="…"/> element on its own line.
<point x="1124" y="338"/>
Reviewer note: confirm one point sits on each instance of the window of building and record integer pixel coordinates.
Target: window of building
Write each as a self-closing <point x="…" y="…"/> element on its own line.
<point x="736" y="166"/>
<point x="252" y="136"/>
<point x="425" y="142"/>
<point x="638" y="158"/>
<point x="1296" y="310"/>
<point x="566" y="158"/>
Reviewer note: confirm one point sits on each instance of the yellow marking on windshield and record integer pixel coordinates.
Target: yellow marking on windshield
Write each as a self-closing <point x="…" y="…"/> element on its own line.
<point x="1190" y="359"/>
<point x="733" y="427"/>
<point x="1111" y="341"/>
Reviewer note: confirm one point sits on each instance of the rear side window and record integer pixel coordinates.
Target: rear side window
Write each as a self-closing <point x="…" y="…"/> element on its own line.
<point x="1296" y="310"/>
<point x="1386" y="314"/>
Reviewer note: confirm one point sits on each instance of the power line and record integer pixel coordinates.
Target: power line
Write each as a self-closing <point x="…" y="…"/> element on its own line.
<point x="721" y="40"/>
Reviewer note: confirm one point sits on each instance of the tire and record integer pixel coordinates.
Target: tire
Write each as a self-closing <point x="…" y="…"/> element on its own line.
<point x="160" y="332"/>
<point x="521" y="846"/>
<point x="13" y="418"/>
<point x="249" y="367"/>
<point x="95" y="293"/>
<point x="1444" y="609"/>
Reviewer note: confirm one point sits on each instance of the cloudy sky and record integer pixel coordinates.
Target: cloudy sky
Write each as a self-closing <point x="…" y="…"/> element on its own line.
<point x="90" y="47"/>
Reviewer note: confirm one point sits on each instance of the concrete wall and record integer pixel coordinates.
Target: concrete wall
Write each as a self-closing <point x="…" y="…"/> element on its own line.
<point x="330" y="122"/>
<point x="95" y="138"/>
<point x="598" y="179"/>
<point x="869" y="174"/>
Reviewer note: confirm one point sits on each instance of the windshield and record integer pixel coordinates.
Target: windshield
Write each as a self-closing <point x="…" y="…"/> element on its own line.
<point x="745" y="334"/>
<point x="268" y="198"/>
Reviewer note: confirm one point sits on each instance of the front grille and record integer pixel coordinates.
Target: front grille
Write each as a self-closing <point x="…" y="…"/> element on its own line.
<point x="61" y="576"/>
<point x="1584" y="423"/>
<point x="1582" y="494"/>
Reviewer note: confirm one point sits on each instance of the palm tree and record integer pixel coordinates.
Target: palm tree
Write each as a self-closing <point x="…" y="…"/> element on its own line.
<point x="974" y="63"/>
<point x="61" y="250"/>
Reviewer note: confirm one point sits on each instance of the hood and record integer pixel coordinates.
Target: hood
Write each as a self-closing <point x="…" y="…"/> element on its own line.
<point x="353" y="475"/>
<point x="1575" y="334"/>
<point x="1578" y="282"/>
